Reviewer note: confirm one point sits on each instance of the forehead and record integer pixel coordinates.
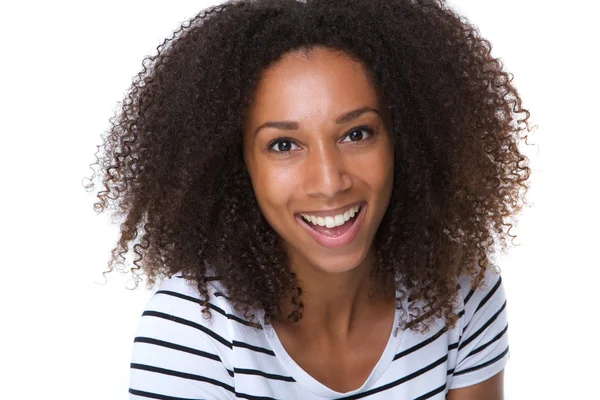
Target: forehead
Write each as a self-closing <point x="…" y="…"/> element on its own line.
<point x="322" y="81"/>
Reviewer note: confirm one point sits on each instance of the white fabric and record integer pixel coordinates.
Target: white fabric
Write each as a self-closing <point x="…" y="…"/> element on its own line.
<point x="178" y="354"/>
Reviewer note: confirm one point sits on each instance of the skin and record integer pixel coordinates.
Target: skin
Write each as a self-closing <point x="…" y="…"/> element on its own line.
<point x="301" y="159"/>
<point x="491" y="389"/>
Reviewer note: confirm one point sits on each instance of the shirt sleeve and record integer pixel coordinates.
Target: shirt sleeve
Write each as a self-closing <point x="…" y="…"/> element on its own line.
<point x="177" y="354"/>
<point x="483" y="346"/>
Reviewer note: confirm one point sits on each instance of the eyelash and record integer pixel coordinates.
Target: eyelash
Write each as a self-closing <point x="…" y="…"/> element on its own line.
<point x="367" y="129"/>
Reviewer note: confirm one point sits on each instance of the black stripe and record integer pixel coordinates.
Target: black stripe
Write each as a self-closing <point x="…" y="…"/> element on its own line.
<point x="426" y="341"/>
<point x="245" y="371"/>
<point x="220" y="294"/>
<point x="208" y="332"/>
<point x="432" y="393"/>
<point x="490" y="294"/>
<point x="450" y="371"/>
<point x="468" y="297"/>
<point x="157" y="396"/>
<point x="420" y="345"/>
<point x="188" y="323"/>
<point x="399" y="381"/>
<point x="452" y="346"/>
<point x="485" y="300"/>
<point x="162" y="343"/>
<point x="497" y="337"/>
<point x="485" y="364"/>
<point x="483" y="328"/>
<point x="180" y="374"/>
<point x="210" y="305"/>
<point x="253" y="348"/>
<point x="185" y="349"/>
<point x="251" y="397"/>
<point x="210" y="278"/>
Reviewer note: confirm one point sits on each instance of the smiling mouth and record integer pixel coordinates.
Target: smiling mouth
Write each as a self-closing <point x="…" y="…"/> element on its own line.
<point x="335" y="225"/>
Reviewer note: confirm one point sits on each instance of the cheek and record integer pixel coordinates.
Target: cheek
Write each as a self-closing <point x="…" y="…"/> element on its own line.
<point x="377" y="171"/>
<point x="274" y="187"/>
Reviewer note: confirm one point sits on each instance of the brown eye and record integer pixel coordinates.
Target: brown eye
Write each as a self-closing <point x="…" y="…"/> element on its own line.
<point x="355" y="136"/>
<point x="358" y="134"/>
<point x="282" y="145"/>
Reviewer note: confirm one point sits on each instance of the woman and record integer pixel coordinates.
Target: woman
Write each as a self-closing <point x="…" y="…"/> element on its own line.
<point x="319" y="187"/>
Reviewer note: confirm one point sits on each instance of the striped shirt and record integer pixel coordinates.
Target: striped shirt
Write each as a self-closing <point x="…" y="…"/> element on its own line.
<point x="177" y="354"/>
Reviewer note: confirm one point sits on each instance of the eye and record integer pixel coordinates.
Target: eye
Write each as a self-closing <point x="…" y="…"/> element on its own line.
<point x="358" y="134"/>
<point x="282" y="145"/>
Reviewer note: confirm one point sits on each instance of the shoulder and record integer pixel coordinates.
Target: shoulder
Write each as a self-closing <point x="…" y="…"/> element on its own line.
<point x="488" y="294"/>
<point x="177" y="291"/>
<point x="180" y="298"/>
<point x="177" y="351"/>
<point x="176" y="307"/>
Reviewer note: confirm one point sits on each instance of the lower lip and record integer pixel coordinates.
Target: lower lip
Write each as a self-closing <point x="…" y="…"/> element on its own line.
<point x="339" y="241"/>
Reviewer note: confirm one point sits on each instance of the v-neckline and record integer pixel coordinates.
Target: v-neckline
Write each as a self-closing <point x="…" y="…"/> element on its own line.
<point x="307" y="381"/>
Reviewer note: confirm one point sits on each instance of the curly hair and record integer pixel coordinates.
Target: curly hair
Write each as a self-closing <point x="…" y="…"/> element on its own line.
<point x="172" y="161"/>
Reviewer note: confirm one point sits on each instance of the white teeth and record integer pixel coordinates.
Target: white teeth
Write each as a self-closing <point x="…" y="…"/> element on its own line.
<point x="334" y="220"/>
<point x="329" y="222"/>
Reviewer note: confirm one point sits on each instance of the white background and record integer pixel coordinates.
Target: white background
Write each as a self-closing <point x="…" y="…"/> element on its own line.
<point x="65" y="65"/>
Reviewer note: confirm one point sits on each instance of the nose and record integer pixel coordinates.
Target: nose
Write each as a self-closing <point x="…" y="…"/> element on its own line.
<point x="325" y="173"/>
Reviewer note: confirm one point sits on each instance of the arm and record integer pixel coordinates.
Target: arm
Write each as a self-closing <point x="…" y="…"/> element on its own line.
<point x="490" y="389"/>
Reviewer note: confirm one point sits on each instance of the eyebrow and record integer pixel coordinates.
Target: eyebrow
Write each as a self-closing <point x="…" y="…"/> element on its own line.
<point x="342" y="119"/>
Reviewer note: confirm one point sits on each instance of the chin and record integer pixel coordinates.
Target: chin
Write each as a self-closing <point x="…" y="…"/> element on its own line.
<point x="337" y="264"/>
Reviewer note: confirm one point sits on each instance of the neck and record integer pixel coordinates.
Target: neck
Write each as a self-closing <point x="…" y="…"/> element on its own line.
<point x="335" y="304"/>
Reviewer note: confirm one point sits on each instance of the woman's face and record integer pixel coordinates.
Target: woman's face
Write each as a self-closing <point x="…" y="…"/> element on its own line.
<point x="317" y="148"/>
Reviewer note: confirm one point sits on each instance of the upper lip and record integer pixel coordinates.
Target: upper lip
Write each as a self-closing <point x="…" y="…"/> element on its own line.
<point x="332" y="212"/>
